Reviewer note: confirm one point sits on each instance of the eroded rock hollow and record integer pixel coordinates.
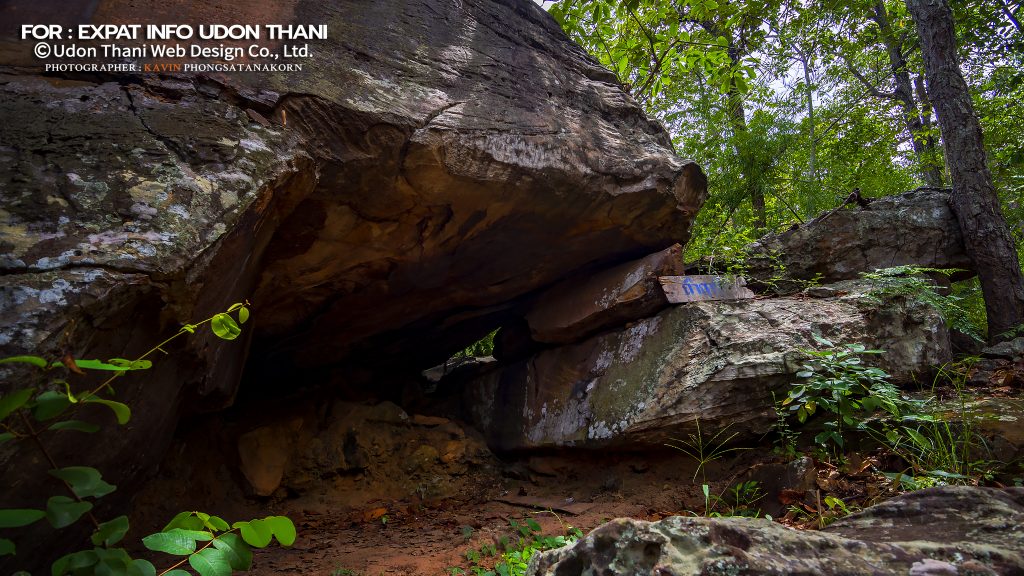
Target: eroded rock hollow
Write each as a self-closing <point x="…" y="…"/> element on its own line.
<point x="432" y="164"/>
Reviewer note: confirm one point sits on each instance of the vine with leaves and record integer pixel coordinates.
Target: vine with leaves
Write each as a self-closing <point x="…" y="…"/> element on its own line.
<point x="209" y="545"/>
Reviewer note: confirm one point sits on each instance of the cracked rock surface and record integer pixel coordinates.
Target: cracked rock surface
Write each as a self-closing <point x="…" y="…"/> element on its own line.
<point x="914" y="228"/>
<point x="716" y="364"/>
<point x="953" y="530"/>
<point x="432" y="165"/>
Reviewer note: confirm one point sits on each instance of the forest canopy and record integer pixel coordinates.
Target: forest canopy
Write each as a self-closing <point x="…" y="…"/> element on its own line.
<point x="790" y="105"/>
<point x="795" y="107"/>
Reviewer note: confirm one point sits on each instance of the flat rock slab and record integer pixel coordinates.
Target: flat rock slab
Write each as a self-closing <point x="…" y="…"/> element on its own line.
<point x="942" y="531"/>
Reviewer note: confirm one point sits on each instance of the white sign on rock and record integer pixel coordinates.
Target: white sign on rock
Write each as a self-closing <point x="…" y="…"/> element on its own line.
<point x="679" y="289"/>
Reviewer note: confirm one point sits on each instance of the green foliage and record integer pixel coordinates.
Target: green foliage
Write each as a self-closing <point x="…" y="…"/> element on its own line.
<point x="515" y="558"/>
<point x="912" y="282"/>
<point x="859" y="399"/>
<point x="705" y="450"/>
<point x="209" y="545"/>
<point x="836" y="381"/>
<point x="794" y="105"/>
<point x="739" y="500"/>
<point x="937" y="450"/>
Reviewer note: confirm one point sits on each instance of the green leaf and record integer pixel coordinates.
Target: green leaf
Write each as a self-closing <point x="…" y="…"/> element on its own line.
<point x="33" y="360"/>
<point x="186" y="520"/>
<point x="170" y="542"/>
<point x="101" y="365"/>
<point x="75" y="561"/>
<point x="49" y="404"/>
<point x="62" y="511"/>
<point x="77" y="425"/>
<point x="112" y="562"/>
<point x="124" y="364"/>
<point x="6" y="436"/>
<point x="214" y="523"/>
<point x="283" y="529"/>
<point x="919" y="438"/>
<point x="16" y="518"/>
<point x="243" y="315"/>
<point x="256" y="533"/>
<point x="141" y="568"/>
<point x="225" y="327"/>
<point x="111" y="532"/>
<point x="237" y="552"/>
<point x="200" y="535"/>
<point x="12" y="402"/>
<point x="210" y="562"/>
<point x="121" y="411"/>
<point x="6" y="547"/>
<point x="85" y="482"/>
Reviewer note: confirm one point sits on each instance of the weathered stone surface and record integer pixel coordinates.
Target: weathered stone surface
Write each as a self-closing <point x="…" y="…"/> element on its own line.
<point x="1008" y="350"/>
<point x="264" y="453"/>
<point x="382" y="450"/>
<point x="716" y="362"/>
<point x="405" y="180"/>
<point x="583" y="305"/>
<point x="958" y="530"/>
<point x="917" y="227"/>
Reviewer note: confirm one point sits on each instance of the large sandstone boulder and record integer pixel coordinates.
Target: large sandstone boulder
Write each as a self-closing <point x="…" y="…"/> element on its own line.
<point x="915" y="228"/>
<point x="937" y="532"/>
<point x="718" y="363"/>
<point x="432" y="163"/>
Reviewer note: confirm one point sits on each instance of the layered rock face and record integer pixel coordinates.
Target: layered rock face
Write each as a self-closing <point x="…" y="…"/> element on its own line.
<point x="433" y="163"/>
<point x="716" y="364"/>
<point x="939" y="531"/>
<point x="623" y="369"/>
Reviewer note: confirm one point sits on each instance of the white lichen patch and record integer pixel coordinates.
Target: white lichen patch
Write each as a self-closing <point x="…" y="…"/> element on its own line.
<point x="228" y="199"/>
<point x="217" y="231"/>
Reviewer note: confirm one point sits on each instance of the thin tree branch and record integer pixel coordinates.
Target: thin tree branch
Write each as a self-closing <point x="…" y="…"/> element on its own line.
<point x="872" y="89"/>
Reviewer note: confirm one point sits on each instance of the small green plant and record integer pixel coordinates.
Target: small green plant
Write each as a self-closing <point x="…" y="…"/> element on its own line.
<point x="738" y="500"/>
<point x="786" y="437"/>
<point x="836" y="381"/>
<point x="208" y="544"/>
<point x="913" y="282"/>
<point x="705" y="450"/>
<point x="344" y="572"/>
<point x="514" y="558"/>
<point x="940" y="451"/>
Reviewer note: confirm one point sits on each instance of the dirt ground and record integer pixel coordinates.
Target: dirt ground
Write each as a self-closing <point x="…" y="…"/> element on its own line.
<point x="363" y="524"/>
<point x="375" y="491"/>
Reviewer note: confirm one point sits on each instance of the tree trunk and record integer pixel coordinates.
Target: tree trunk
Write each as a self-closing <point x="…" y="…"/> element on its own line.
<point x="813" y="156"/>
<point x="738" y="121"/>
<point x="923" y="144"/>
<point x="986" y="235"/>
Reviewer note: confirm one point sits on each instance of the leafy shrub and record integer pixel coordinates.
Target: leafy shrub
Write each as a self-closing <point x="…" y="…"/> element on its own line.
<point x="28" y="414"/>
<point x="836" y="380"/>
<point x="957" y="311"/>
